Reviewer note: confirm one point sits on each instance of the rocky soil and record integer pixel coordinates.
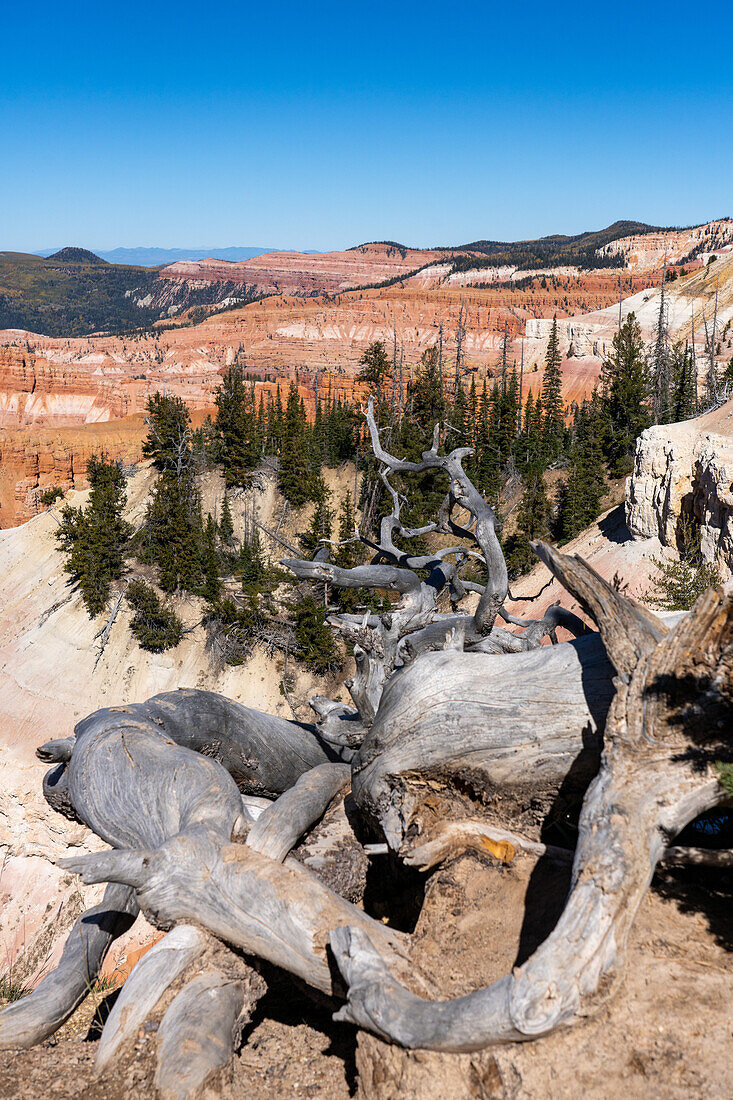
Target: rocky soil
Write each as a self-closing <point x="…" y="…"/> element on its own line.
<point x="665" y="1034"/>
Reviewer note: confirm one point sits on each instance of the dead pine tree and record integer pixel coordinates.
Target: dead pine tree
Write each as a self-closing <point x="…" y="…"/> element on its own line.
<point x="247" y="837"/>
<point x="660" y="359"/>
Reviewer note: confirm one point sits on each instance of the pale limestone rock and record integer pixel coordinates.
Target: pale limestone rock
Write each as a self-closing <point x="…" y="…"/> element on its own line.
<point x="686" y="467"/>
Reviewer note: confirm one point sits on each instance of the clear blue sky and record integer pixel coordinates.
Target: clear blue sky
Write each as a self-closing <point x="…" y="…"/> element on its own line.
<point x="321" y="125"/>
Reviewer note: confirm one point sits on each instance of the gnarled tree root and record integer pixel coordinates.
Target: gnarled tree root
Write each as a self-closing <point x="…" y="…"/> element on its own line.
<point x="674" y="693"/>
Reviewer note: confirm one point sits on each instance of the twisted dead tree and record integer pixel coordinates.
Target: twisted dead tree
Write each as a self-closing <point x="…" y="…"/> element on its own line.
<point x="246" y="838"/>
<point x="413" y="625"/>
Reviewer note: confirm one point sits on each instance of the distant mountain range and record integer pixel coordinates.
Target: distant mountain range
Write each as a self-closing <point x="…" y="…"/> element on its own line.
<point x="155" y="257"/>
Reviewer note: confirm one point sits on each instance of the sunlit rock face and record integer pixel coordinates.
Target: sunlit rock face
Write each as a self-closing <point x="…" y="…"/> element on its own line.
<point x="686" y="467"/>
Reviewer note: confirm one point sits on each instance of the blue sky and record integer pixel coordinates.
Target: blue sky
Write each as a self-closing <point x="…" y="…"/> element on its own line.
<point x="321" y="125"/>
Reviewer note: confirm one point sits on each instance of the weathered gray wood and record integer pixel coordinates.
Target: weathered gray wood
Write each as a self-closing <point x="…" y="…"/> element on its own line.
<point x="275" y="911"/>
<point x="148" y="981"/>
<point x="253" y="806"/>
<point x="465" y="494"/>
<point x="135" y="788"/>
<point x="32" y="1019"/>
<point x="278" y="829"/>
<point x="264" y="754"/>
<point x="655" y="777"/>
<point x="491" y="723"/>
<point x="198" y="1034"/>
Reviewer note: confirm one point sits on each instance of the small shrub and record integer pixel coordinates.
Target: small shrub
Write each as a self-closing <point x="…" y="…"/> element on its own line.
<point x="50" y="496"/>
<point x="318" y="650"/>
<point x="680" y="583"/>
<point x="155" y="626"/>
<point x="11" y="989"/>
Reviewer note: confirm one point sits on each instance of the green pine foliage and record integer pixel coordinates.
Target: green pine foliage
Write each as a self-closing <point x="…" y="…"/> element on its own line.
<point x="95" y="538"/>
<point x="534" y="519"/>
<point x="300" y="466"/>
<point x="347" y="557"/>
<point x="155" y="626"/>
<point x="252" y="565"/>
<point x="237" y="444"/>
<point x="679" y="584"/>
<point x="684" y="400"/>
<point x="226" y="523"/>
<point x="321" y="524"/>
<point x="725" y="775"/>
<point x="172" y="537"/>
<point x="581" y="494"/>
<point x="553" y="409"/>
<point x="624" y="398"/>
<point x="375" y="366"/>
<point x="49" y="496"/>
<point x="169" y="437"/>
<point x="212" y="583"/>
<point x="316" y="645"/>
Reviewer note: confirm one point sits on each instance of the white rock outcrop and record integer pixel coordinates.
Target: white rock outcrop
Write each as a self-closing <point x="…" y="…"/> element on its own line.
<point x="686" y="467"/>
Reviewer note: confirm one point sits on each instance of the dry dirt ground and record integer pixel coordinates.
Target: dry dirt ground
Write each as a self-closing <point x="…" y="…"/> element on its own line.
<point x="666" y="1033"/>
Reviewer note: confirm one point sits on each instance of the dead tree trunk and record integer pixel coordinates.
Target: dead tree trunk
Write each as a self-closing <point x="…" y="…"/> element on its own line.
<point x="463" y="735"/>
<point x="668" y="719"/>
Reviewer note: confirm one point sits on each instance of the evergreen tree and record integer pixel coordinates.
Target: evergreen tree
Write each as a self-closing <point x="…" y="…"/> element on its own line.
<point x="299" y="471"/>
<point x="581" y="495"/>
<point x="661" y="371"/>
<point x="169" y="440"/>
<point x="374" y="367"/>
<point x="155" y="626"/>
<point x="235" y="426"/>
<point x="683" y="400"/>
<point x="321" y="522"/>
<point x="680" y="583"/>
<point x="173" y="534"/>
<point x="533" y="522"/>
<point x="212" y="583"/>
<point x="95" y="538"/>
<point x="553" y="422"/>
<point x="315" y="640"/>
<point x="348" y="556"/>
<point x="624" y="394"/>
<point x="226" y="523"/>
<point x="252" y="564"/>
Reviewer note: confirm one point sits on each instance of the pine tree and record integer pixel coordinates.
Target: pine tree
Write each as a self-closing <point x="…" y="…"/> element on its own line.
<point x="252" y="564"/>
<point x="235" y="425"/>
<point x="321" y="522"/>
<point x="661" y="370"/>
<point x="680" y="583"/>
<point x="169" y="439"/>
<point x="553" y="423"/>
<point x="315" y="640"/>
<point x="533" y="522"/>
<point x="173" y="534"/>
<point x="624" y="394"/>
<point x="374" y="366"/>
<point x="95" y="538"/>
<point x="300" y="470"/>
<point x="155" y="626"/>
<point x="348" y="555"/>
<point x="581" y="495"/>
<point x="212" y="583"/>
<point x="683" y="400"/>
<point x="226" y="523"/>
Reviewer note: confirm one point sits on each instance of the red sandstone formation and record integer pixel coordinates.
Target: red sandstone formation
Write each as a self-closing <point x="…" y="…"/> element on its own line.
<point x="79" y="383"/>
<point x="298" y="273"/>
<point x="32" y="460"/>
